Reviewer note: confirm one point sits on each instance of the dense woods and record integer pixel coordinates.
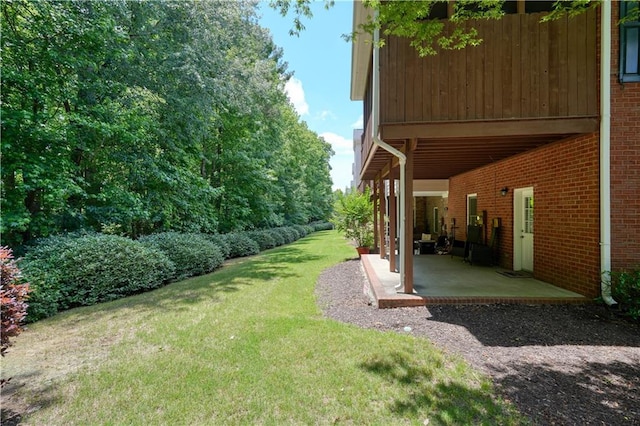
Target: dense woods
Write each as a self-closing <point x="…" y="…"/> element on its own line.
<point x="135" y="117"/>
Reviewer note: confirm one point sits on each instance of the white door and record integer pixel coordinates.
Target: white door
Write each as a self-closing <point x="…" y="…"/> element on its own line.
<point x="523" y="229"/>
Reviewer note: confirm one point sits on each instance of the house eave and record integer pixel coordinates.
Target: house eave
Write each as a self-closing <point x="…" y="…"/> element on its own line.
<point x="361" y="51"/>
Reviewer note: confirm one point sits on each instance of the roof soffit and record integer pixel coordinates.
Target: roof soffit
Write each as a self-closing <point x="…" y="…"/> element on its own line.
<point x="361" y="51"/>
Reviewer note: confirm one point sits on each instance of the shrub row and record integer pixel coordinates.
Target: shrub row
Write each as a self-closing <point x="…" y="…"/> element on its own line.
<point x="84" y="269"/>
<point x="65" y="272"/>
<point x="625" y="289"/>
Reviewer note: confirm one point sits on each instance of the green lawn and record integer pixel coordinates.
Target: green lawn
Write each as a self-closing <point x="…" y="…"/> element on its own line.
<point x="245" y="345"/>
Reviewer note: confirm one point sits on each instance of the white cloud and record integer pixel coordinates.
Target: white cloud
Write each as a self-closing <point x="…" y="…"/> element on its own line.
<point x="359" y="124"/>
<point x="342" y="162"/>
<point x="340" y="144"/>
<point x="295" y="92"/>
<point x="341" y="171"/>
<point x="326" y="114"/>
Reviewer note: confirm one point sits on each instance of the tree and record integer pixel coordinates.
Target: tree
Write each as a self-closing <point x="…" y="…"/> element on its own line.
<point x="133" y="117"/>
<point x="353" y="215"/>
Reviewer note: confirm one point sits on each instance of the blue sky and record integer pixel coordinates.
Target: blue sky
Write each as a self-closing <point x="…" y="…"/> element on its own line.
<point x="319" y="90"/>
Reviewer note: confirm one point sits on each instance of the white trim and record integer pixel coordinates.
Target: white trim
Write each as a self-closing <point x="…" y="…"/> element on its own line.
<point x="605" y="153"/>
<point x="443" y="194"/>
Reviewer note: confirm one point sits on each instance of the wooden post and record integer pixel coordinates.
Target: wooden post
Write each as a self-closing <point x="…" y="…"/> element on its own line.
<point x="408" y="211"/>
<point x="393" y="218"/>
<point x="383" y="206"/>
<point x="450" y="9"/>
<point x="375" y="214"/>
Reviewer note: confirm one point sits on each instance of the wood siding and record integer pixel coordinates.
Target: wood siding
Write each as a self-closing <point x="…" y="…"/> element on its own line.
<point x="522" y="69"/>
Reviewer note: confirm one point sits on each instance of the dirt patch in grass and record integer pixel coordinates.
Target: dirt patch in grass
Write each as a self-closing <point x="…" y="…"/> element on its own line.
<point x="40" y="360"/>
<point x="558" y="364"/>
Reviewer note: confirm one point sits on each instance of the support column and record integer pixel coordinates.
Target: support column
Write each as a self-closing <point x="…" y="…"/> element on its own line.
<point x="407" y="244"/>
<point x="382" y="209"/>
<point x="375" y="214"/>
<point x="393" y="218"/>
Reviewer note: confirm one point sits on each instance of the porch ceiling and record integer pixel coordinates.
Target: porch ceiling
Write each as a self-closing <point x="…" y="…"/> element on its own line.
<point x="444" y="158"/>
<point x="446" y="149"/>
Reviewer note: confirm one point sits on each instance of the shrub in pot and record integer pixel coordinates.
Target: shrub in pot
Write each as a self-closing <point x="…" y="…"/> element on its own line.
<point x="353" y="216"/>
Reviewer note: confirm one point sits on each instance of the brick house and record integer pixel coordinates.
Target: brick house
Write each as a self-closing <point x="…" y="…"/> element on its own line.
<point x="533" y="113"/>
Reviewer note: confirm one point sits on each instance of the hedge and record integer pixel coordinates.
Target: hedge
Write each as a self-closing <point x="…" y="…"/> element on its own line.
<point x="69" y="271"/>
<point x="83" y="269"/>
<point x="192" y="254"/>
<point x="263" y="238"/>
<point x="221" y="241"/>
<point x="277" y="236"/>
<point x="241" y="245"/>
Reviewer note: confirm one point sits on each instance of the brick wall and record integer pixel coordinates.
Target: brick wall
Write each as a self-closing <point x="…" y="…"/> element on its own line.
<point x="564" y="176"/>
<point x="625" y="163"/>
<point x="423" y="209"/>
<point x="566" y="193"/>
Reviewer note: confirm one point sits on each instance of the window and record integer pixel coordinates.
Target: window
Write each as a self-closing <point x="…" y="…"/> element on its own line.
<point x="436" y="222"/>
<point x="629" y="41"/>
<point x="472" y="209"/>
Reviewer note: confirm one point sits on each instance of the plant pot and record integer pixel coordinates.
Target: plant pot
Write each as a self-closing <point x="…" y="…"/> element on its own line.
<point x="362" y="250"/>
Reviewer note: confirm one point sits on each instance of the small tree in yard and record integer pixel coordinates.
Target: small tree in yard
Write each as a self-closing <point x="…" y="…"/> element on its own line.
<point x="13" y="294"/>
<point x="353" y="216"/>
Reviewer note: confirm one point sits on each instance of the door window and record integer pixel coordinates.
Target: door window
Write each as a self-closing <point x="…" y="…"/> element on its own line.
<point x="528" y="215"/>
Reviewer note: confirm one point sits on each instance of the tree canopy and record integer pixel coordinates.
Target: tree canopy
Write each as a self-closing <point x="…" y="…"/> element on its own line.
<point x="133" y="117"/>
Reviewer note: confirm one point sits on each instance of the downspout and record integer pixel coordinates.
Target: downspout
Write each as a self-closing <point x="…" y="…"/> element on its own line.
<point x="605" y="152"/>
<point x="375" y="137"/>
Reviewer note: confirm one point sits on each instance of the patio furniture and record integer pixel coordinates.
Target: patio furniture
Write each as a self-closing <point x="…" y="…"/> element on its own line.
<point x="427" y="246"/>
<point x="474" y="236"/>
<point x="486" y="254"/>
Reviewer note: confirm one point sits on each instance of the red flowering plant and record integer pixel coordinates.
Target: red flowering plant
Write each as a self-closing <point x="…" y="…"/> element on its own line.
<point x="13" y="294"/>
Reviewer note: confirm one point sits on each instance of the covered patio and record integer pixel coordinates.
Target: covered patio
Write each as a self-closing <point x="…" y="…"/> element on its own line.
<point x="447" y="280"/>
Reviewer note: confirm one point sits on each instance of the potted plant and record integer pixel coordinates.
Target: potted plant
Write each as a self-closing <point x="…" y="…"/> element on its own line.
<point x="353" y="216"/>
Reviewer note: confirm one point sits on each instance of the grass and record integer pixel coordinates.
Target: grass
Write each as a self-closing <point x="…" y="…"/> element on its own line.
<point x="244" y="345"/>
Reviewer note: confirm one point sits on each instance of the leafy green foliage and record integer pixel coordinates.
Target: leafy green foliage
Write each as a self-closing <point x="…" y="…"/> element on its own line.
<point x="321" y="225"/>
<point x="263" y="238"/>
<point x="353" y="216"/>
<point x="241" y="245"/>
<point x="625" y="289"/>
<point x="570" y="8"/>
<point x="222" y="243"/>
<point x="288" y="233"/>
<point x="412" y="20"/>
<point x="13" y="295"/>
<point x="192" y="254"/>
<point x="302" y="230"/>
<point x="141" y="117"/>
<point x="70" y="271"/>
<point x="277" y="237"/>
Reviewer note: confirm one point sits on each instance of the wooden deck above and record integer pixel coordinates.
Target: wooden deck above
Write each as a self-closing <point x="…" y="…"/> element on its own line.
<point x="528" y="84"/>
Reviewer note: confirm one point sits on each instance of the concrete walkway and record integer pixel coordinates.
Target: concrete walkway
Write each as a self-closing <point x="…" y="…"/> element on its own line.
<point x="443" y="279"/>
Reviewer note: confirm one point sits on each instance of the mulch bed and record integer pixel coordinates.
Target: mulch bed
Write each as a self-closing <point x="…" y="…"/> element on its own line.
<point x="558" y="364"/>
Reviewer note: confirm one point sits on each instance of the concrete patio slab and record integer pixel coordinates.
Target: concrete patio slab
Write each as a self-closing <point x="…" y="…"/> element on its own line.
<point x="447" y="280"/>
